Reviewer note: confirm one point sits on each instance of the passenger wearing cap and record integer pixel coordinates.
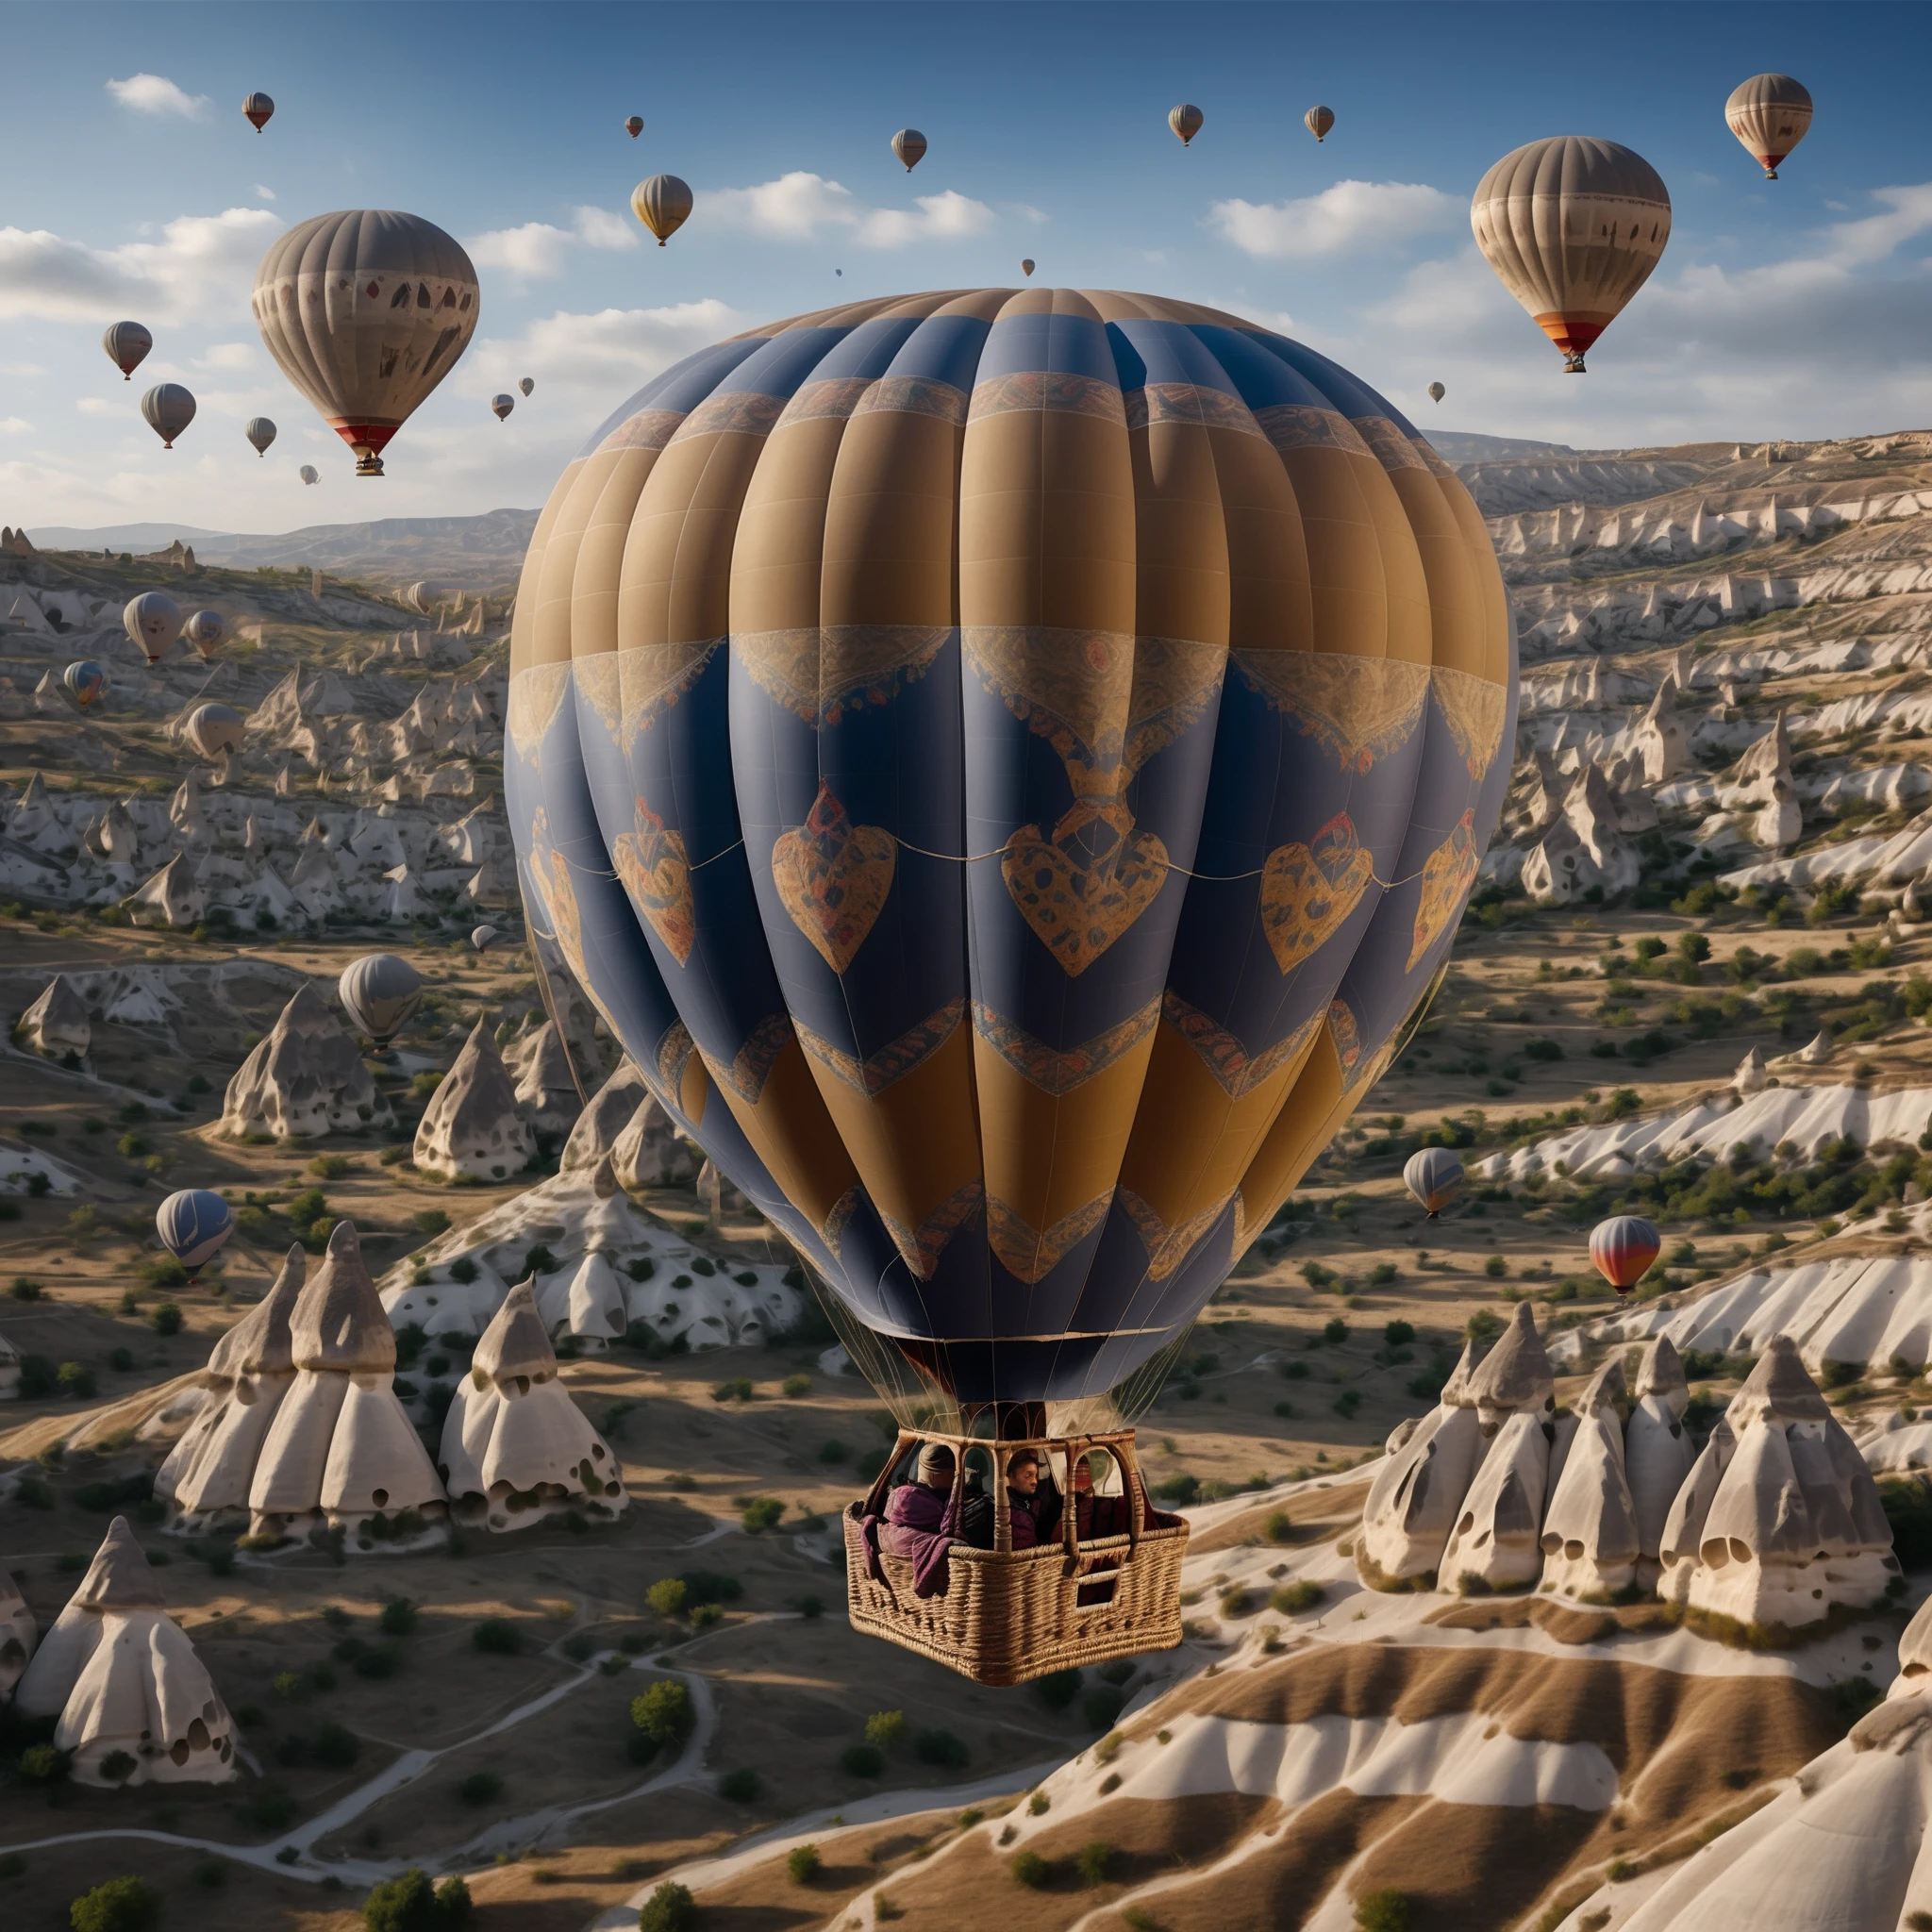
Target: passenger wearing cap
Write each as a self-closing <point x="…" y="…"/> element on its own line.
<point x="915" y="1526"/>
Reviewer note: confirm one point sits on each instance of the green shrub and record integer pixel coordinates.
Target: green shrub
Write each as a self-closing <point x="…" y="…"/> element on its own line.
<point x="1398" y="1334"/>
<point x="454" y="1907"/>
<point x="863" y="1760"/>
<point x="41" y="1764"/>
<point x="409" y="1903"/>
<point x="1293" y="1598"/>
<point x="336" y="1746"/>
<point x="1031" y="1869"/>
<point x="670" y="1908"/>
<point x="480" y="1788"/>
<point x="166" y="1319"/>
<point x="802" y="1864"/>
<point x="1382" y="1912"/>
<point x="75" y="1379"/>
<point x="761" y="1513"/>
<point x="398" y="1617"/>
<point x="741" y="1787"/>
<point x="795" y="1386"/>
<point x="1335" y="1331"/>
<point x="886" y="1728"/>
<point x="121" y="1905"/>
<point x="118" y="1766"/>
<point x="1058" y="1688"/>
<point x="1092" y="1860"/>
<point x="497" y="1637"/>
<point x="665" y="1713"/>
<point x="942" y="1748"/>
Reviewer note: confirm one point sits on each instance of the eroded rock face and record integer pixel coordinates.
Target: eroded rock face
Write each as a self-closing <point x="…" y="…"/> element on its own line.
<point x="57" y="1023"/>
<point x="306" y="1077"/>
<point x="1414" y="1502"/>
<point x="1591" y="1541"/>
<point x="1657" y="1451"/>
<point x="472" y="1129"/>
<point x="18" y="1633"/>
<point x="610" y="1110"/>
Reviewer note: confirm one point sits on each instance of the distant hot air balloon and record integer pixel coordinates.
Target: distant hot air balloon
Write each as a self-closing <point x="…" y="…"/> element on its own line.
<point x="86" y="682"/>
<point x="1770" y="113"/>
<point x="526" y="384"/>
<point x="1573" y="226"/>
<point x="205" y="630"/>
<point x="502" y="406"/>
<point x="1186" y="120"/>
<point x="192" y="1224"/>
<point x="1622" y="1249"/>
<point x="1434" y="1177"/>
<point x="633" y="125"/>
<point x="261" y="432"/>
<point x="1026" y="264"/>
<point x="365" y="311"/>
<point x="256" y="109"/>
<point x="378" y="993"/>
<point x="153" y="620"/>
<point x="127" y="343"/>
<point x="1317" y="121"/>
<point x="481" y="937"/>
<point x="310" y="474"/>
<point x="215" y="729"/>
<point x="909" y="145"/>
<point x="663" y="204"/>
<point x="169" y="408"/>
<point x="1437" y="392"/>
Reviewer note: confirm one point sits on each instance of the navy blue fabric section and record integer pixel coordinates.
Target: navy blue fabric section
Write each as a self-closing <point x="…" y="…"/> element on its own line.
<point x="681" y="386"/>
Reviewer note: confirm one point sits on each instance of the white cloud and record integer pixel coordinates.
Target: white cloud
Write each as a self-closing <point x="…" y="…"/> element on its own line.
<point x="1350" y="218"/>
<point x="263" y="193"/>
<point x="153" y="94"/>
<point x="538" y="251"/>
<point x="15" y="426"/>
<point x="796" y="206"/>
<point x="228" y="356"/>
<point x="603" y="354"/>
<point x="200" y="270"/>
<point x="597" y="227"/>
<point x="96" y="405"/>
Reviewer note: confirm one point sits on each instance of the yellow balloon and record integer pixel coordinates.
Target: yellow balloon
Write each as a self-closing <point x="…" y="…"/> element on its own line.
<point x="663" y="204"/>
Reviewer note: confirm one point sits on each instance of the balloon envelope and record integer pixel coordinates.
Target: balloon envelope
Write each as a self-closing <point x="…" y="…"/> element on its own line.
<point x="1437" y="392"/>
<point x="378" y="993"/>
<point x="256" y="109"/>
<point x="86" y="682"/>
<point x="1434" y="1177"/>
<point x="127" y="343"/>
<point x="663" y="204"/>
<point x="1027" y="265"/>
<point x="153" y="620"/>
<point x="205" y="630"/>
<point x="1003" y="906"/>
<point x="192" y="1224"/>
<point x="526" y="384"/>
<point x="310" y="474"/>
<point x="1186" y="120"/>
<point x="169" y="408"/>
<point x="1622" y="1248"/>
<point x="634" y="125"/>
<point x="502" y="406"/>
<point x="909" y="145"/>
<point x="215" y="729"/>
<point x="1317" y="121"/>
<point x="1573" y="227"/>
<point x="365" y="311"/>
<point x="1770" y="113"/>
<point x="261" y="432"/>
<point x="481" y="937"/>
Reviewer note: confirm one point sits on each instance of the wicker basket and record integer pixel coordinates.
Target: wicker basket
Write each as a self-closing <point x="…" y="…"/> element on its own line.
<point x="1012" y="1615"/>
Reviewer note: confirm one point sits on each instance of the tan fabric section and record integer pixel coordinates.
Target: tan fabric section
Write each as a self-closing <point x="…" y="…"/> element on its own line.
<point x="1494" y="665"/>
<point x="522" y="629"/>
<point x="596" y="576"/>
<point x="791" y="1132"/>
<point x="1315" y="1108"/>
<point x="1458" y="630"/>
<point x="780" y="542"/>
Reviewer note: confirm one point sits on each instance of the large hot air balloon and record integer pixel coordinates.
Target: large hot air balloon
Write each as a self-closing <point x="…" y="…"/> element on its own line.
<point x="261" y="432"/>
<point x="169" y="408"/>
<point x="1008" y="765"/>
<point x="501" y="405"/>
<point x="213" y="730"/>
<point x="310" y="474"/>
<point x="633" y="125"/>
<point x="153" y="620"/>
<point x="205" y="630"/>
<point x="86" y="682"/>
<point x="1186" y="120"/>
<point x="1622" y="1248"/>
<point x="192" y="1224"/>
<point x="1434" y="1177"/>
<point x="527" y="383"/>
<point x="1026" y="266"/>
<point x="366" y="311"/>
<point x="909" y="145"/>
<point x="663" y="204"/>
<point x="1573" y="227"/>
<point x="256" y="109"/>
<point x="127" y="343"/>
<point x="481" y="936"/>
<point x="1317" y="121"/>
<point x="378" y="993"/>
<point x="1770" y="113"/>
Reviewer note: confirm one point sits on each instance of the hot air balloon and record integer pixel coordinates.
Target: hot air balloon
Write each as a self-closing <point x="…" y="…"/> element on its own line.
<point x="86" y="682"/>
<point x="1437" y="392"/>
<point x="1186" y="120"/>
<point x="153" y="620"/>
<point x="1027" y="265"/>
<point x="169" y="408"/>
<point x="1008" y="869"/>
<point x="1770" y="113"/>
<point x="205" y="630"/>
<point x="1317" y="121"/>
<point x="663" y="204"/>
<point x="1622" y="1248"/>
<point x="527" y="383"/>
<point x="310" y="474"/>
<point x="909" y="145"/>
<point x="213" y="730"/>
<point x="261" y="432"/>
<point x="378" y="993"/>
<point x="633" y="125"/>
<point x="1573" y="227"/>
<point x="127" y="343"/>
<point x="365" y="311"/>
<point x="255" y="109"/>
<point x="192" y="1224"/>
<point x="502" y="406"/>
<point x="481" y="936"/>
<point x="1434" y="1177"/>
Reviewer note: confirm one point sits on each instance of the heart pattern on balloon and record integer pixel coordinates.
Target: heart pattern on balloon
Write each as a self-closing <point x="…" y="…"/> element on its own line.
<point x="1307" y="892"/>
<point x="1084" y="888"/>
<point x="834" y="877"/>
<point x="655" y="872"/>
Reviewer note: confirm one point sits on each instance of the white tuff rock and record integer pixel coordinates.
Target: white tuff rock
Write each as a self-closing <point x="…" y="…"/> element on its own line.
<point x="471" y="1129"/>
<point x="306" y="1077"/>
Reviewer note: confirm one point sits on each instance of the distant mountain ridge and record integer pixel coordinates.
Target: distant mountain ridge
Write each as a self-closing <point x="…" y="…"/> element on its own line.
<point x="481" y="551"/>
<point x="1467" y="446"/>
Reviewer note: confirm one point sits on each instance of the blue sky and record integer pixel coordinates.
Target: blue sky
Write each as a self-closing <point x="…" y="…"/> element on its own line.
<point x="135" y="188"/>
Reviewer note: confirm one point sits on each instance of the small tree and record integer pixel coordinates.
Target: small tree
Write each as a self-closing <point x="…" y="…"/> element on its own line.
<point x="121" y="1905"/>
<point x="407" y="1903"/>
<point x="1382" y="1912"/>
<point x="802" y="1863"/>
<point x="670" y="1908"/>
<point x="667" y="1596"/>
<point x="665" y="1714"/>
<point x="886" y="1728"/>
<point x="1093" y="1860"/>
<point x="1031" y="1869"/>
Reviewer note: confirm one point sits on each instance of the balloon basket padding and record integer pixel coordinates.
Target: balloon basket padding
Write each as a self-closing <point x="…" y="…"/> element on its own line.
<point x="370" y="465"/>
<point x="1008" y="1616"/>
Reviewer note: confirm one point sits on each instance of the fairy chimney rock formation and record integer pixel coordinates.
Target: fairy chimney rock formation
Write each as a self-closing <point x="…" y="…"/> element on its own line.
<point x="1495" y="1541"/>
<point x="547" y="1091"/>
<point x="610" y="1110"/>
<point x="1657" y="1450"/>
<point x="1661" y="741"/>
<point x="1750" y="1077"/>
<point x="305" y="1077"/>
<point x="1414" y="1502"/>
<point x="1590" y="1540"/>
<point x="650" y="1152"/>
<point x="57" y="1023"/>
<point x="471" y="1129"/>
<point x="18" y="1633"/>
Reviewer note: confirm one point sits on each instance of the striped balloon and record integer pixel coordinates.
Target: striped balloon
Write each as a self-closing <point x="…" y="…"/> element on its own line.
<point x="1622" y="1248"/>
<point x="192" y="1224"/>
<point x="1434" y="1177"/>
